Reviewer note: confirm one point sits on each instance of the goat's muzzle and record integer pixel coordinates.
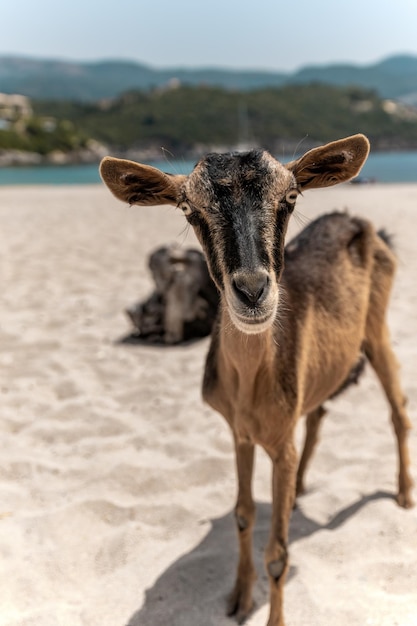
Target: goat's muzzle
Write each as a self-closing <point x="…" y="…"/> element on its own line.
<point x="252" y="299"/>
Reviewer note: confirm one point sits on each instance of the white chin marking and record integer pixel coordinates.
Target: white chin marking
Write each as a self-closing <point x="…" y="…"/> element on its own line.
<point x="252" y="328"/>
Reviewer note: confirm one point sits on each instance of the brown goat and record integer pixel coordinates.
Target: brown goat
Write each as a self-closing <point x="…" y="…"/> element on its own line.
<point x="291" y="326"/>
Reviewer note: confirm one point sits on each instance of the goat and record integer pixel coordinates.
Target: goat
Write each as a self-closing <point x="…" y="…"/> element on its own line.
<point x="185" y="301"/>
<point x="291" y="325"/>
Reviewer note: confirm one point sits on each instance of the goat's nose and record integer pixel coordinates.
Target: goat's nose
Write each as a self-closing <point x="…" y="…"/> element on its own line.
<point x="251" y="288"/>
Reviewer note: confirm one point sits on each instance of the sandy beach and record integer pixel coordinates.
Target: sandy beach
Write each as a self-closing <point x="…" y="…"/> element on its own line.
<point x="117" y="484"/>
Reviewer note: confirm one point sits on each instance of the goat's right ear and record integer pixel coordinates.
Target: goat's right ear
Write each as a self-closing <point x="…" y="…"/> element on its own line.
<point x="135" y="183"/>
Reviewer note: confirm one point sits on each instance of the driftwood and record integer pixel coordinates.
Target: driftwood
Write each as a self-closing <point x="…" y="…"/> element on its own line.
<point x="183" y="305"/>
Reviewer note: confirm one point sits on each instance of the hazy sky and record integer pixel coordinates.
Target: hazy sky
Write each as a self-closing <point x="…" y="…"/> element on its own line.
<point x="270" y="34"/>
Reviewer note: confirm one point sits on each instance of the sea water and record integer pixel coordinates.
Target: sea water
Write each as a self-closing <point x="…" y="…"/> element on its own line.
<point x="383" y="167"/>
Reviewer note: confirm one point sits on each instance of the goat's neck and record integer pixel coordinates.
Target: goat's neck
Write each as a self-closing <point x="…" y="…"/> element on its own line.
<point x="250" y="383"/>
<point x="248" y="392"/>
<point x="247" y="354"/>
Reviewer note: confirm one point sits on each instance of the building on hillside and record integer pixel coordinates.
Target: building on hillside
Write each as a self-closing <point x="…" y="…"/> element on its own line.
<point x="13" y="107"/>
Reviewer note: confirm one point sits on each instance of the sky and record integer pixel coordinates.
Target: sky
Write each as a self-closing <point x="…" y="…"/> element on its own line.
<point x="274" y="35"/>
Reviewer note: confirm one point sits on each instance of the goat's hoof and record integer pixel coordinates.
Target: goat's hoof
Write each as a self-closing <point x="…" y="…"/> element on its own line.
<point x="240" y="603"/>
<point x="405" y="501"/>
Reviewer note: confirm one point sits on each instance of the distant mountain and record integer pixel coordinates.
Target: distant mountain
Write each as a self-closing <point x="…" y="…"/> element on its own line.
<point x="50" y="79"/>
<point x="394" y="77"/>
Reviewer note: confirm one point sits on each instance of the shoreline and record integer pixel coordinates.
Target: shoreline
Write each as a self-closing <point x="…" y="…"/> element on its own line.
<point x="90" y="156"/>
<point x="380" y="168"/>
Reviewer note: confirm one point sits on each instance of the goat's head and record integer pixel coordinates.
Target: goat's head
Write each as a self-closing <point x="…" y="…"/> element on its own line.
<point x="239" y="205"/>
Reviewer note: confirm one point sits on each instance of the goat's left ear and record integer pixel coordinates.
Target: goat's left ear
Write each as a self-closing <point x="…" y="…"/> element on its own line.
<point x="334" y="163"/>
<point x="135" y="183"/>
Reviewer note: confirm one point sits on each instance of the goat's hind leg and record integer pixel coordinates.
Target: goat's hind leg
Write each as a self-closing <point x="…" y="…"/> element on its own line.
<point x="377" y="347"/>
<point x="240" y="601"/>
<point x="382" y="358"/>
<point x="313" y="421"/>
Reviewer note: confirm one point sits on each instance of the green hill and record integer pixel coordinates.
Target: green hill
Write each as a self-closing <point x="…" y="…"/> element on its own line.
<point x="189" y="119"/>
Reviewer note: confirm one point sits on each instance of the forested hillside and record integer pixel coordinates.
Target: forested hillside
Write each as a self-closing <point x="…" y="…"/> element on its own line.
<point x="191" y="120"/>
<point x="185" y="118"/>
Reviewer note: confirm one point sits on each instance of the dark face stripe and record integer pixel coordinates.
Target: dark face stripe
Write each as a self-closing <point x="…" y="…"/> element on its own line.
<point x="281" y="225"/>
<point x="245" y="239"/>
<point x="207" y="242"/>
<point x="238" y="187"/>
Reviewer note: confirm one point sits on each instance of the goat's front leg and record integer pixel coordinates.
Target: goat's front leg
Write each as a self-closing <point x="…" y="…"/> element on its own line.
<point x="313" y="421"/>
<point x="276" y="555"/>
<point x="240" y="601"/>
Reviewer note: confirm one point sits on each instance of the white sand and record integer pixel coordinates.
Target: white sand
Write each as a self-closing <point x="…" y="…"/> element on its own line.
<point x="117" y="484"/>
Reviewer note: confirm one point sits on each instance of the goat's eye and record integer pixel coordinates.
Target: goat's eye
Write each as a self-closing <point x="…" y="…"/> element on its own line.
<point x="185" y="208"/>
<point x="291" y="196"/>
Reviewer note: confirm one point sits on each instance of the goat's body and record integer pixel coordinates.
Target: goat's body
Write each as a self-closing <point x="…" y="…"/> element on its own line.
<point x="291" y="326"/>
<point x="331" y="314"/>
<point x="309" y="358"/>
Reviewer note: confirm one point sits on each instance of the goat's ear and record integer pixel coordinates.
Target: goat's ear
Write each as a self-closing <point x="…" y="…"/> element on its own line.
<point x="135" y="183"/>
<point x="334" y="163"/>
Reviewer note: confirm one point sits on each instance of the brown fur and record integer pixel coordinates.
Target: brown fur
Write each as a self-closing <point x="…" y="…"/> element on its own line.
<point x="290" y="329"/>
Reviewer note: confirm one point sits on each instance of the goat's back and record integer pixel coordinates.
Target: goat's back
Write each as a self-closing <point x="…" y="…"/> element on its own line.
<point x="335" y="258"/>
<point x="338" y="271"/>
<point x="328" y="257"/>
